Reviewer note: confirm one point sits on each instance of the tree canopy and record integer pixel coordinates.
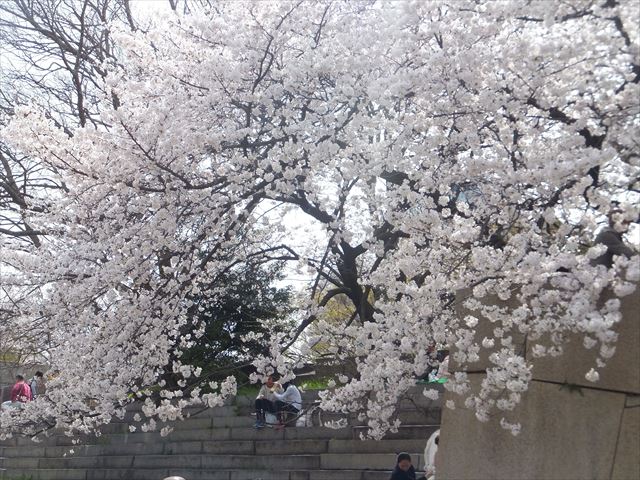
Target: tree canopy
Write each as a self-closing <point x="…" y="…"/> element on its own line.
<point x="454" y="155"/>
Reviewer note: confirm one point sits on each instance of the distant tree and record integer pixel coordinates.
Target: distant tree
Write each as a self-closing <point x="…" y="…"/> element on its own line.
<point x="249" y="302"/>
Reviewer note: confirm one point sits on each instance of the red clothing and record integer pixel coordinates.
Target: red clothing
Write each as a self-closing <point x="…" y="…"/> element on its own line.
<point x="21" y="392"/>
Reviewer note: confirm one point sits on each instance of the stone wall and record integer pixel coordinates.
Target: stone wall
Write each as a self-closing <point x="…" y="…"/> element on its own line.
<point x="7" y="374"/>
<point x="572" y="428"/>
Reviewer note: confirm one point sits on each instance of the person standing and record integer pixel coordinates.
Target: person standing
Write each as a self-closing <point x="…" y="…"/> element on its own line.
<point x="430" y="454"/>
<point x="611" y="236"/>
<point x="36" y="384"/>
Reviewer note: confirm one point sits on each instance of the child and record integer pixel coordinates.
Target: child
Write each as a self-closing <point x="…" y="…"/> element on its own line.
<point x="404" y="470"/>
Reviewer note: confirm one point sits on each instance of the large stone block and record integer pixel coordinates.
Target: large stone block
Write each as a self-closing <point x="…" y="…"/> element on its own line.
<point x="20" y="462"/>
<point x="253" y="434"/>
<point x="290" y="447"/>
<point x="31" y="451"/>
<point x="225" y="411"/>
<point x="485" y="328"/>
<point x="566" y="435"/>
<point x="198" y="435"/>
<point x="294" y="433"/>
<point x="375" y="446"/>
<point x="265" y="462"/>
<point x="622" y="372"/>
<point x="177" y="448"/>
<point x="233" y="422"/>
<point x="627" y="460"/>
<point x="232" y="447"/>
<point x="192" y="423"/>
<point x="159" y="461"/>
<point x="56" y="475"/>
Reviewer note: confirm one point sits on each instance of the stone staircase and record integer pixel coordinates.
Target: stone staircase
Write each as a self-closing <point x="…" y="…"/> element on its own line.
<point x="221" y="444"/>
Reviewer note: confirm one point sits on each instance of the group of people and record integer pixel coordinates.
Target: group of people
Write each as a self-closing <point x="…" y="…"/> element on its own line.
<point x="277" y="400"/>
<point x="25" y="391"/>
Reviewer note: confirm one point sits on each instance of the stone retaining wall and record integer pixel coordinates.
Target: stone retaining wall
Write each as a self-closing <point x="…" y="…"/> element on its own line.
<point x="571" y="428"/>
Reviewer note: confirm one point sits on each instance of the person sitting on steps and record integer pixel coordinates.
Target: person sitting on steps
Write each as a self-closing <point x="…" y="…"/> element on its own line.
<point x="288" y="402"/>
<point x="266" y="401"/>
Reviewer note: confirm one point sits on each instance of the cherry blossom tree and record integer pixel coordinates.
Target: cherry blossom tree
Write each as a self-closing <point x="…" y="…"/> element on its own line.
<point x="458" y="156"/>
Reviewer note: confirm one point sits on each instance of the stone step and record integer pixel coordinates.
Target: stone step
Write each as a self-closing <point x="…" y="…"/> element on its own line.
<point x="220" y="444"/>
<point x="195" y="474"/>
<point x="146" y="462"/>
<point x="412" y="417"/>
<point x="190" y="412"/>
<point x="244" y="447"/>
<point x="223" y="434"/>
<point x="405" y="432"/>
<point x="376" y="446"/>
<point x="328" y="461"/>
<point x="191" y="423"/>
<point x="211" y="437"/>
<point x="238" y="433"/>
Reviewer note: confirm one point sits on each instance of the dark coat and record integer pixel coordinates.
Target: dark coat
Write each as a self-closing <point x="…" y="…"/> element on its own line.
<point x="402" y="475"/>
<point x="615" y="246"/>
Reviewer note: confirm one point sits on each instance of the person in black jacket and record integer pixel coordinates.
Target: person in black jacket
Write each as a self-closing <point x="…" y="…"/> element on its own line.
<point x="613" y="240"/>
<point x="404" y="470"/>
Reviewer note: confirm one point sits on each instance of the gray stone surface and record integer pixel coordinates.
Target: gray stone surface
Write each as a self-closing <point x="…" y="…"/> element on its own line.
<point x="291" y="447"/>
<point x="627" y="460"/>
<point x="485" y="328"/>
<point x="565" y="436"/>
<point x="375" y="446"/>
<point x="622" y="372"/>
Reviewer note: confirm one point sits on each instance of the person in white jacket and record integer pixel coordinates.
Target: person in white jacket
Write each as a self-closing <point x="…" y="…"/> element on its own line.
<point x="290" y="401"/>
<point x="430" y="452"/>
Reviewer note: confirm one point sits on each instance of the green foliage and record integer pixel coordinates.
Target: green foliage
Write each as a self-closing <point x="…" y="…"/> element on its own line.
<point x="9" y="356"/>
<point x="248" y="390"/>
<point x="249" y="302"/>
<point x="315" y="384"/>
